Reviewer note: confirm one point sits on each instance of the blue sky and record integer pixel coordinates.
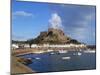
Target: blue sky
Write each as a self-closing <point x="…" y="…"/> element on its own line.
<point x="30" y="18"/>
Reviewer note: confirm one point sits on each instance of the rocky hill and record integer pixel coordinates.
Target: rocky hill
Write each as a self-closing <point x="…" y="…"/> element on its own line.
<point x="54" y="36"/>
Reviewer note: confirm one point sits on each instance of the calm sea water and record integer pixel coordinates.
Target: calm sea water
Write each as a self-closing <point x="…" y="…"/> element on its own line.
<point x="52" y="61"/>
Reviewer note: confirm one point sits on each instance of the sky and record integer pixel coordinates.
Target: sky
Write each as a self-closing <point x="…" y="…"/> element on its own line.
<point x="30" y="18"/>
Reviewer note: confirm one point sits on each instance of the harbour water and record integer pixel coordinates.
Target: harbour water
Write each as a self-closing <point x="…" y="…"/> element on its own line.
<point x="55" y="61"/>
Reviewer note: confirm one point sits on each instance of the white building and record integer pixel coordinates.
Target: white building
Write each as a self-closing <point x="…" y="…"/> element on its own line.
<point x="15" y="46"/>
<point x="26" y="45"/>
<point x="57" y="46"/>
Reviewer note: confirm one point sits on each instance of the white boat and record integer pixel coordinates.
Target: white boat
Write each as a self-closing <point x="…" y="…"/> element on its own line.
<point x="52" y="53"/>
<point x="89" y="51"/>
<point x="37" y="58"/>
<point x="66" y="58"/>
<point x="79" y="53"/>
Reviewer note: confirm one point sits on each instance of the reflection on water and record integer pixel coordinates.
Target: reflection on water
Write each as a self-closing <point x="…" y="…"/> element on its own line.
<point x="55" y="61"/>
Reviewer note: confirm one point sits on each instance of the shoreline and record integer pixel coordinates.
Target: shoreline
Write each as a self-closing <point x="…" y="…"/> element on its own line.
<point x="19" y="68"/>
<point x="19" y="52"/>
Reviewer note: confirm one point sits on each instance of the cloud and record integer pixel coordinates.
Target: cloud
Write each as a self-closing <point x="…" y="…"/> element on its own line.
<point x="55" y="21"/>
<point x="22" y="13"/>
<point x="89" y="17"/>
<point x="94" y="34"/>
<point x="82" y="29"/>
<point x="86" y="20"/>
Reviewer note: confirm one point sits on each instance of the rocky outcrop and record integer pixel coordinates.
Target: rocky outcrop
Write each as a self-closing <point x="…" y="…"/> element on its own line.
<point x="54" y="36"/>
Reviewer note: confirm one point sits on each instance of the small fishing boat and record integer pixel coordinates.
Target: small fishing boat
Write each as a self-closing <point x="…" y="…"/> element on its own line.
<point x="52" y="53"/>
<point x="79" y="53"/>
<point x="89" y="51"/>
<point x="37" y="58"/>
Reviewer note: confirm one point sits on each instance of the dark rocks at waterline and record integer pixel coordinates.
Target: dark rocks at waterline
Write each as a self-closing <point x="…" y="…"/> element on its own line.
<point x="91" y="47"/>
<point x="25" y="61"/>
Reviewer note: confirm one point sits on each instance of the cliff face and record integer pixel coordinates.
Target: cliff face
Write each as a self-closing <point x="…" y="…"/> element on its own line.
<point x="53" y="36"/>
